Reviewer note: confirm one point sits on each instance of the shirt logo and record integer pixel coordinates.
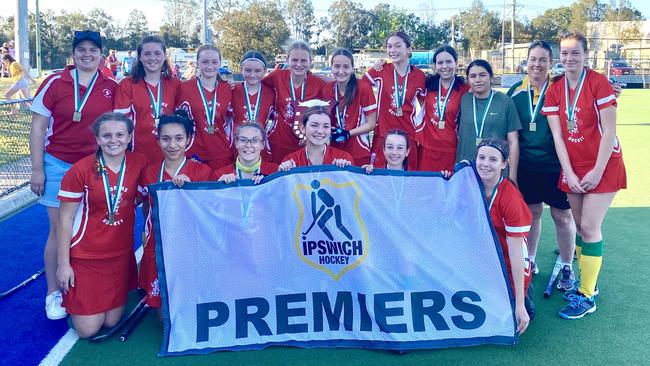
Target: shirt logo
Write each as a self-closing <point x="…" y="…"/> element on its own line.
<point x="107" y="93"/>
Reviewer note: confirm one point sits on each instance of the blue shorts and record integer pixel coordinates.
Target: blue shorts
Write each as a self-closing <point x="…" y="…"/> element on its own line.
<point x="54" y="170"/>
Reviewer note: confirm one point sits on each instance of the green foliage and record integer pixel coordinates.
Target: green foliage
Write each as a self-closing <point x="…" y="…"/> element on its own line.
<point x="351" y="25"/>
<point x="257" y="26"/>
<point x="300" y="17"/>
<point x="552" y="23"/>
<point x="480" y="28"/>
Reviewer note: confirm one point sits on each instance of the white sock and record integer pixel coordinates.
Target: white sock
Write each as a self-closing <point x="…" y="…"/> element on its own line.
<point x="532" y="258"/>
<point x="567" y="264"/>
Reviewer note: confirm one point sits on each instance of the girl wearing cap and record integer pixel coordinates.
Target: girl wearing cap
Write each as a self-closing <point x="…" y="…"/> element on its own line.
<point x="400" y="87"/>
<point x="317" y="128"/>
<point x="250" y="139"/>
<point x="207" y="100"/>
<point x="96" y="261"/>
<point x="486" y="113"/>
<point x="292" y="86"/>
<point x="174" y="133"/>
<point x="511" y="220"/>
<point x="436" y="129"/>
<point x="355" y="110"/>
<point x="581" y="110"/>
<point x="148" y="93"/>
<point x="20" y="78"/>
<point x="396" y="151"/>
<point x="63" y="111"/>
<point x="252" y="100"/>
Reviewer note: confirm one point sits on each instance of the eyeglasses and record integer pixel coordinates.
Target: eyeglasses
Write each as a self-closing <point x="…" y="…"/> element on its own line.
<point x="245" y="141"/>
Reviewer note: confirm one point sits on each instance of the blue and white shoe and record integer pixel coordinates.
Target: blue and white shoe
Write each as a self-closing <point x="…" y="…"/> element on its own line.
<point x="579" y="306"/>
<point x="571" y="293"/>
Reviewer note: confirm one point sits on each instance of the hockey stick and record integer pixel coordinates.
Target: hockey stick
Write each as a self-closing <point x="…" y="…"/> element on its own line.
<point x="128" y="329"/>
<point x="109" y="333"/>
<point x="22" y="284"/>
<point x="551" y="281"/>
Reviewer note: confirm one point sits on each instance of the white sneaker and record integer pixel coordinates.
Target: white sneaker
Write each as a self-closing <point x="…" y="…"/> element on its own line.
<point x="53" y="307"/>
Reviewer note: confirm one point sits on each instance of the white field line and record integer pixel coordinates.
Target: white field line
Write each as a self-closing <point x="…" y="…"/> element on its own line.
<point x="65" y="344"/>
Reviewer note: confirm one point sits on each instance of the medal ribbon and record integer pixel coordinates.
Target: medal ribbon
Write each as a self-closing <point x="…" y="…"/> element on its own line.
<point x="252" y="116"/>
<point x="113" y="200"/>
<point x="441" y="108"/>
<point x="79" y="103"/>
<point x="241" y="168"/>
<point x="400" y="97"/>
<point x="340" y="117"/>
<point x="156" y="104"/>
<point x="178" y="170"/>
<point x="540" y="101"/>
<point x="571" y="107"/>
<point x="479" y="133"/>
<point x="209" y="111"/>
<point x="293" y="91"/>
<point x="495" y="190"/>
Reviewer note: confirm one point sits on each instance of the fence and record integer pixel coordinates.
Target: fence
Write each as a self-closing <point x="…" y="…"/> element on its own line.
<point x="15" y="164"/>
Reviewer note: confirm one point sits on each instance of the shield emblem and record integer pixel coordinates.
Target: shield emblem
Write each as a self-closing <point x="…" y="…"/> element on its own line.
<point x="330" y="235"/>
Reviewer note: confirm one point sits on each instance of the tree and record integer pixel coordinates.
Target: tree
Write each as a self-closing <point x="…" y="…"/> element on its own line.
<point x="181" y="16"/>
<point x="300" y="17"/>
<point x="136" y="29"/>
<point x="350" y="24"/>
<point x="583" y="11"/>
<point x="480" y="27"/>
<point x="552" y="23"/>
<point x="259" y="26"/>
<point x="99" y="20"/>
<point x="621" y="10"/>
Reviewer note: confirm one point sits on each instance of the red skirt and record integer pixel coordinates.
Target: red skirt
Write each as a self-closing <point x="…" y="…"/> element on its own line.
<point x="100" y="284"/>
<point x="435" y="161"/>
<point x="148" y="277"/>
<point x="614" y="178"/>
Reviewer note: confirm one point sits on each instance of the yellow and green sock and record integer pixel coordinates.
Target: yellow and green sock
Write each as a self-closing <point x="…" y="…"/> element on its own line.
<point x="590" y="260"/>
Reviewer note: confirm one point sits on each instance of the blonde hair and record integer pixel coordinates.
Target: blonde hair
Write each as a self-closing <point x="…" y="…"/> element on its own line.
<point x="299" y="45"/>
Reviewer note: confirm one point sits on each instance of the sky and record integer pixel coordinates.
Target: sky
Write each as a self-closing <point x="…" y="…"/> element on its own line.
<point x="439" y="9"/>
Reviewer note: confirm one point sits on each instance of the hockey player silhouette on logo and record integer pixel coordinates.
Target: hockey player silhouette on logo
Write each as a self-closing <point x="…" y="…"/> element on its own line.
<point x="325" y="212"/>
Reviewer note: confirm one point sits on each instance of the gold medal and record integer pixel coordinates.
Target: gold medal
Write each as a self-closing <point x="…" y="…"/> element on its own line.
<point x="478" y="141"/>
<point x="571" y="124"/>
<point x="398" y="112"/>
<point x="111" y="218"/>
<point x="211" y="130"/>
<point x="76" y="117"/>
<point x="532" y="127"/>
<point x="441" y="124"/>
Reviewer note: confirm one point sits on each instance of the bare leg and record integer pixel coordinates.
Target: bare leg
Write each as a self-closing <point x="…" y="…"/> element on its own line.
<point x="50" y="256"/>
<point x="89" y="325"/>
<point x="565" y="233"/>
<point x="536" y="209"/>
<point x="595" y="207"/>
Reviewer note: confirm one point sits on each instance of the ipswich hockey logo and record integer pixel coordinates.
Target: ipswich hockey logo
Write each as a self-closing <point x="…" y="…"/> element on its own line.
<point x="330" y="235"/>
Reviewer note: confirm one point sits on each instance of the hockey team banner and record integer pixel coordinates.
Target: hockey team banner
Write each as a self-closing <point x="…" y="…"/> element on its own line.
<point x="323" y="257"/>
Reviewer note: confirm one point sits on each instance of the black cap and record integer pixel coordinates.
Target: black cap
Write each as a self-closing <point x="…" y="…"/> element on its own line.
<point x="86" y="35"/>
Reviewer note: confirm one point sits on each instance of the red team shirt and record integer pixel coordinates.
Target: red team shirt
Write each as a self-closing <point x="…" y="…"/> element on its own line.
<point x="511" y="217"/>
<point x="331" y="153"/>
<point x="93" y="237"/>
<point x="363" y="104"/>
<point x="267" y="168"/>
<point x="67" y="140"/>
<point x="133" y="100"/>
<point x="387" y="106"/>
<point x="428" y="132"/>
<point x="281" y="136"/>
<point x="441" y="143"/>
<point x="239" y="105"/>
<point x="148" y="278"/>
<point x="583" y="141"/>
<point x="215" y="149"/>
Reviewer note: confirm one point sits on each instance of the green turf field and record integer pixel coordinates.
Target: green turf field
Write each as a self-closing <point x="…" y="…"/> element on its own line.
<point x="616" y="334"/>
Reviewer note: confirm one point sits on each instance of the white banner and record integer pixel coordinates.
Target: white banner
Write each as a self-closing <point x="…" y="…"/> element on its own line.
<point x="321" y="257"/>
